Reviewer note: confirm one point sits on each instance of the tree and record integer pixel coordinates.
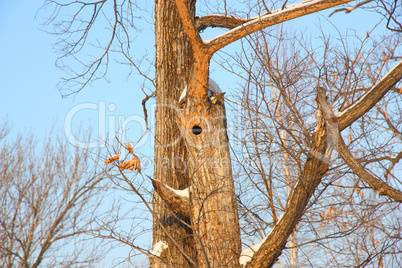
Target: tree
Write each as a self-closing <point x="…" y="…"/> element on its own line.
<point x="277" y="112"/>
<point x="200" y="226"/>
<point x="44" y="192"/>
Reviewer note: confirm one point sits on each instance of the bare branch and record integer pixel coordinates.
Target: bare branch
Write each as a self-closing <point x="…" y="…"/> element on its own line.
<point x="354" y="112"/>
<point x="358" y="169"/>
<point x="314" y="170"/>
<point x="218" y="20"/>
<point x="348" y="10"/>
<point x="276" y="17"/>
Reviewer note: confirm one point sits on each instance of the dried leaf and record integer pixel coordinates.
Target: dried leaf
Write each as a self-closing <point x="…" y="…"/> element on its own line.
<point x="129" y="148"/>
<point x="329" y="212"/>
<point x="350" y="138"/>
<point x="113" y="158"/>
<point x="377" y="242"/>
<point x="131" y="164"/>
<point x="360" y="56"/>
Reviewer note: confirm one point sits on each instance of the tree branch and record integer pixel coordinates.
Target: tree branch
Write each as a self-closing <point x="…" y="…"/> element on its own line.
<point x="358" y="169"/>
<point x="144" y="108"/>
<point x="218" y="20"/>
<point x="178" y="203"/>
<point x="276" y="17"/>
<point x="188" y="25"/>
<point x="348" y="10"/>
<point x="314" y="170"/>
<point x="354" y="112"/>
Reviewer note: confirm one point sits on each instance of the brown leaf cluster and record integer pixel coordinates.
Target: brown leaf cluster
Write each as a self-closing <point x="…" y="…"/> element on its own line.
<point x="113" y="158"/>
<point x="131" y="164"/>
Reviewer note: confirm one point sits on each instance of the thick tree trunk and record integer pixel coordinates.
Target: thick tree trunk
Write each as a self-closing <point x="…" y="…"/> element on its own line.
<point x="174" y="62"/>
<point x="214" y="237"/>
<point x="213" y="207"/>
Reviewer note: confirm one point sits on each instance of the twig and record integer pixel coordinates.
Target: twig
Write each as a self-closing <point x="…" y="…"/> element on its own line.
<point x="144" y="108"/>
<point x="348" y="10"/>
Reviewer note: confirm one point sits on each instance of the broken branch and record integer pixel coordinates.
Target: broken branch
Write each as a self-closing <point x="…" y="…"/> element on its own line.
<point x="358" y="169"/>
<point x="179" y="203"/>
<point x="144" y="108"/>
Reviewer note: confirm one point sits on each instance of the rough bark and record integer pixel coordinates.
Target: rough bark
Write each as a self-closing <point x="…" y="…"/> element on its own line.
<point x="172" y="67"/>
<point x="213" y="209"/>
<point x="214" y="216"/>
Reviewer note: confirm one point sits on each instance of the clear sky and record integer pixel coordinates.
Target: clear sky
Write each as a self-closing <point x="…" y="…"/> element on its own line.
<point x="29" y="98"/>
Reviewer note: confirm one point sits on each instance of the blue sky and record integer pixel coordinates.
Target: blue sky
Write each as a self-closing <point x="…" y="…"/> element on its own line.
<point x="29" y="98"/>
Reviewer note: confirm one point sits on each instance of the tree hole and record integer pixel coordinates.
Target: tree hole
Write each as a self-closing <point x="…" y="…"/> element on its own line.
<point x="197" y="130"/>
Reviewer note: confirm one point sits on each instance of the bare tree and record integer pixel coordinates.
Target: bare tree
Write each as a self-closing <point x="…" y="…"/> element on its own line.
<point x="50" y="200"/>
<point x="289" y="101"/>
<point x="278" y="76"/>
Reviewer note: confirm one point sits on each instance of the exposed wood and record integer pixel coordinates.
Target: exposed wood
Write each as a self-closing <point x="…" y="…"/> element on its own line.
<point x="218" y="98"/>
<point x="179" y="204"/>
<point x="376" y="183"/>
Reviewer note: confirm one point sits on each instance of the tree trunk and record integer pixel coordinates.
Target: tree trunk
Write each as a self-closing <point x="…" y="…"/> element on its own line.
<point x="214" y="237"/>
<point x="173" y="66"/>
<point x="214" y="216"/>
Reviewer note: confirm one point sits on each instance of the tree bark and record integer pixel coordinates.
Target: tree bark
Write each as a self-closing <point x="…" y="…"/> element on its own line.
<point x="173" y="69"/>
<point x="214" y="216"/>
